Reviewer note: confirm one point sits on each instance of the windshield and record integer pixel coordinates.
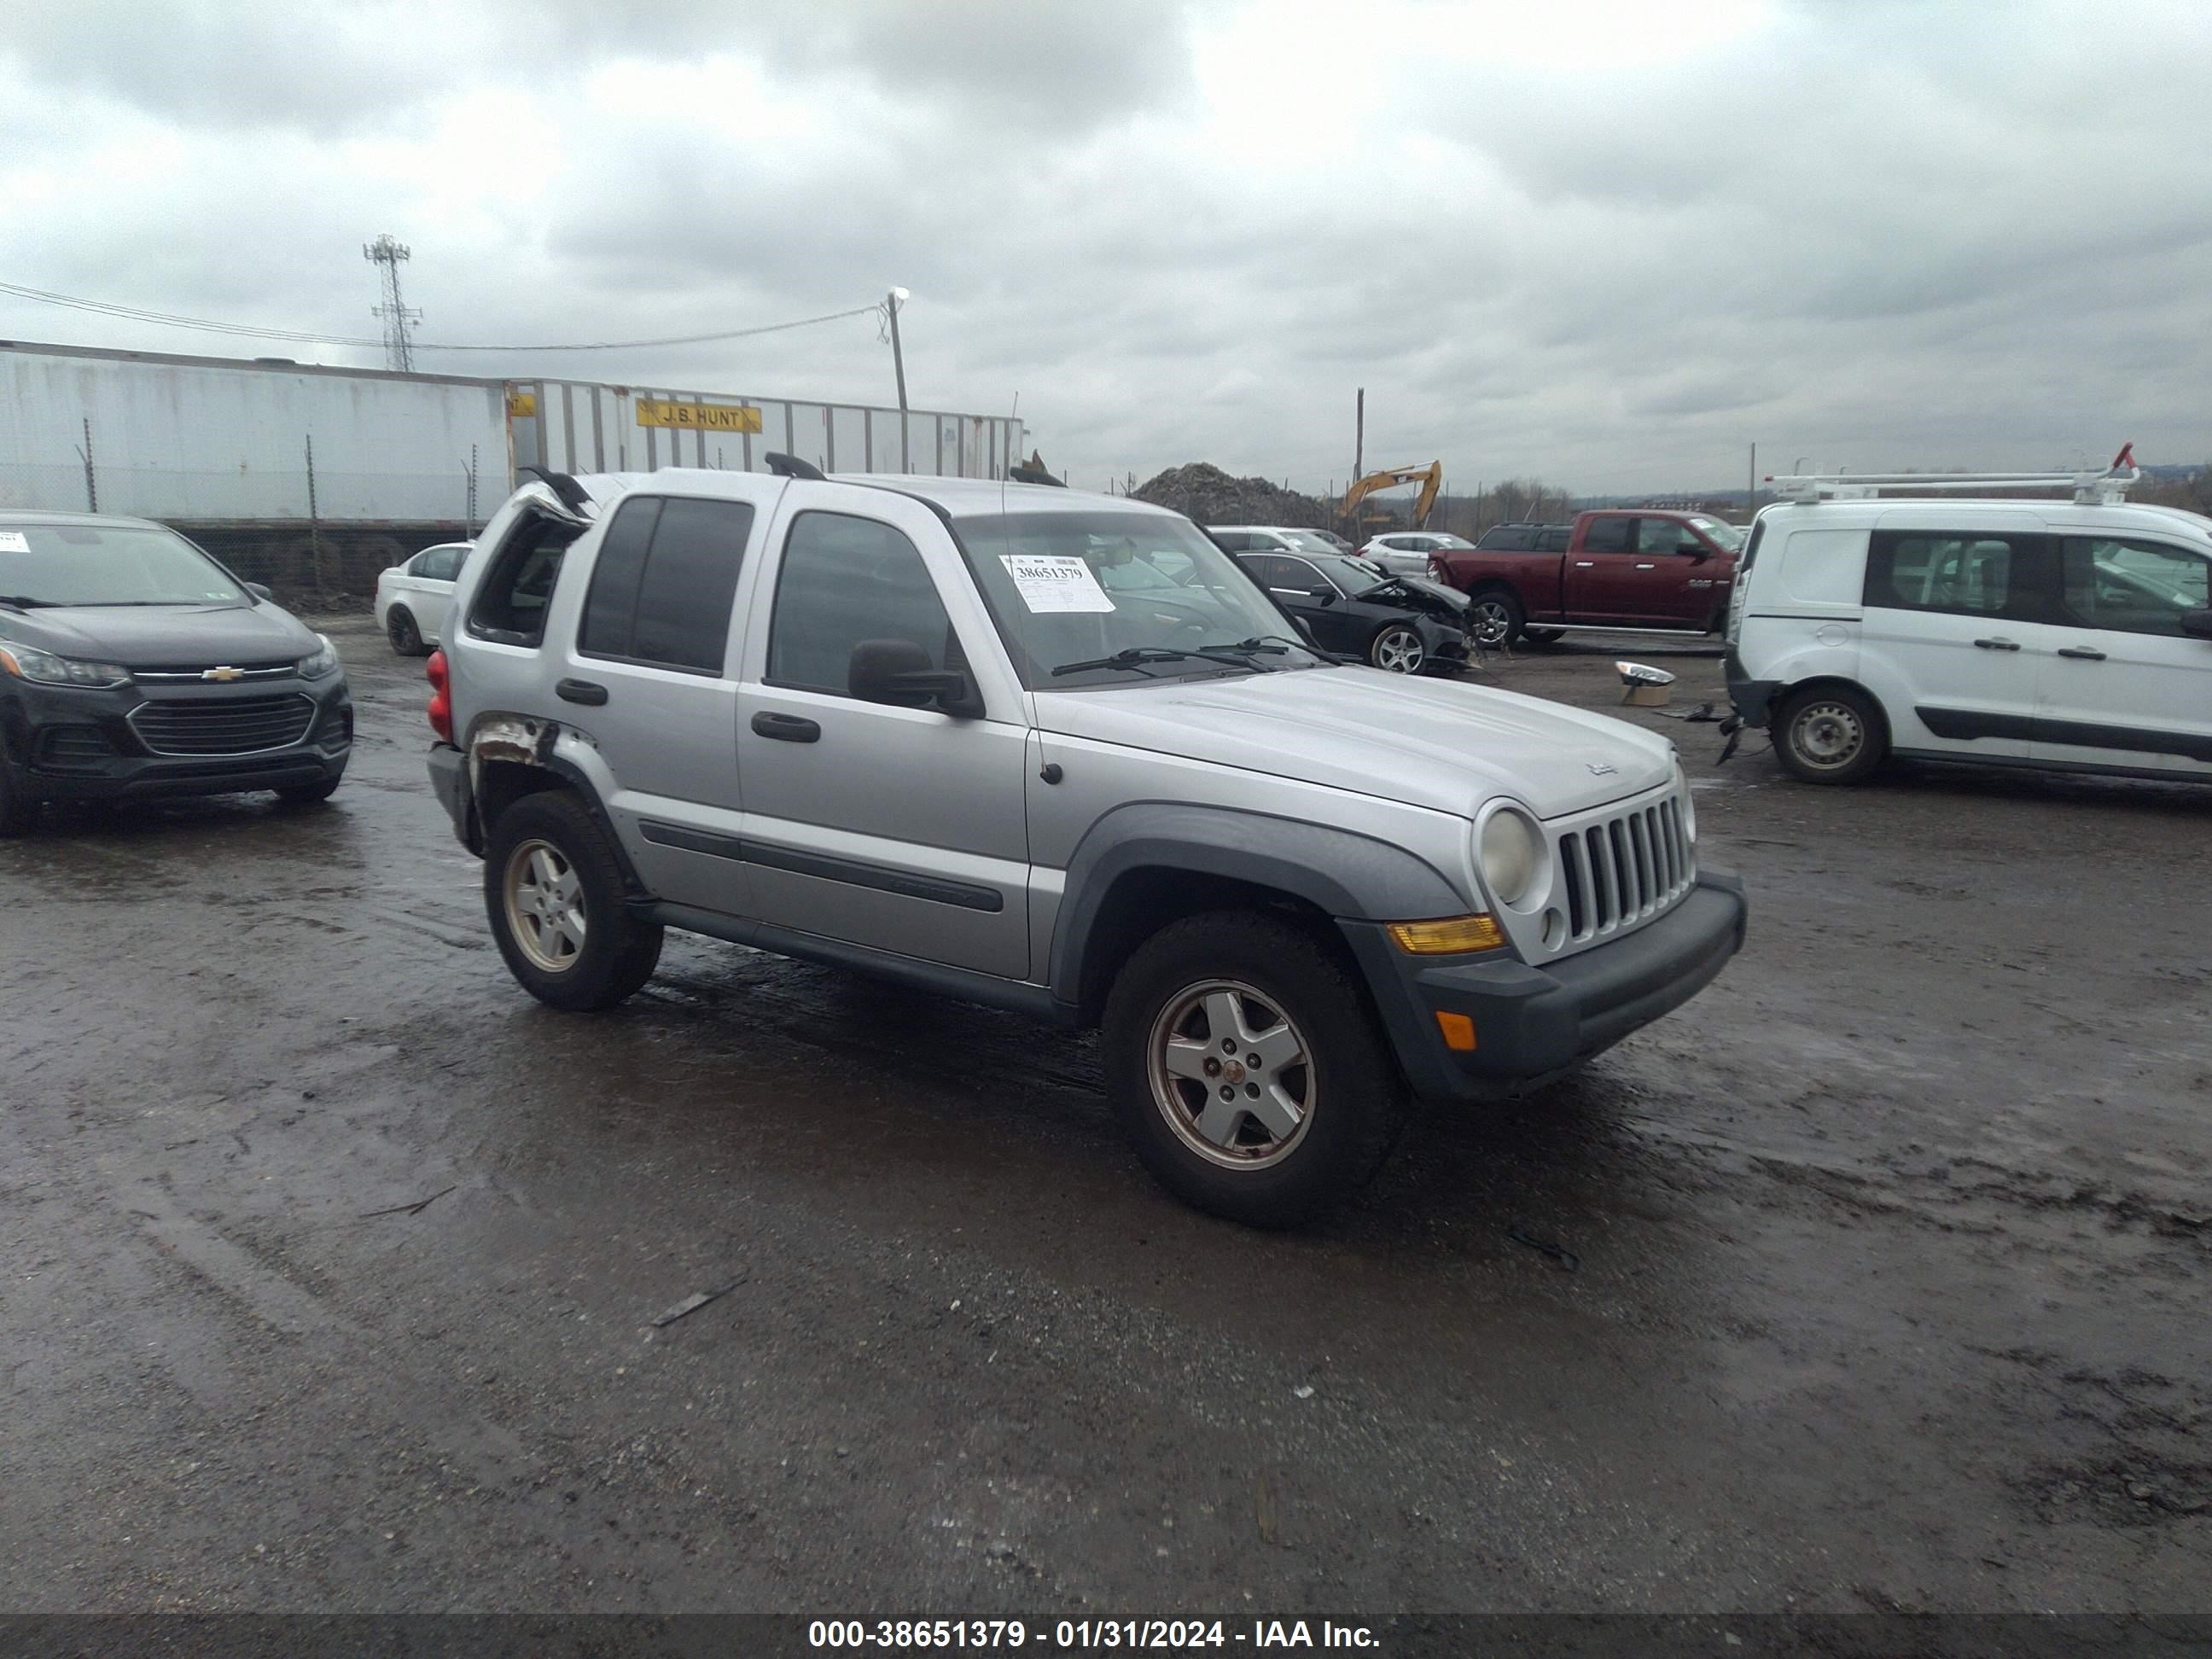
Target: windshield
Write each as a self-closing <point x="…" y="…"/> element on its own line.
<point x="1073" y="587"/>
<point x="1726" y="537"/>
<point x="1309" y="541"/>
<point x="1453" y="541"/>
<point x="108" y="564"/>
<point x="1352" y="577"/>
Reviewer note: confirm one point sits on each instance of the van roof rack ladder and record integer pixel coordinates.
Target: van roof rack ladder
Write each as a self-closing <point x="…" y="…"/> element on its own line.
<point x="2102" y="489"/>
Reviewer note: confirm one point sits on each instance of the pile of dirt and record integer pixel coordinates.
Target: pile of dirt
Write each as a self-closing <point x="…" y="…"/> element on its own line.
<point x="1212" y="496"/>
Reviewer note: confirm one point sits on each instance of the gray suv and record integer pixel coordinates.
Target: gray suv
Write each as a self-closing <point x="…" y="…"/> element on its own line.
<point x="1055" y="752"/>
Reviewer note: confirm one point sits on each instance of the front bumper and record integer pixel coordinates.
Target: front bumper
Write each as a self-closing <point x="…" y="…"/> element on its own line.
<point x="1533" y="1024"/>
<point x="69" y="743"/>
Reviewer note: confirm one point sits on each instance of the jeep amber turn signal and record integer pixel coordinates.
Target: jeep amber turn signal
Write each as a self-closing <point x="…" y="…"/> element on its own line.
<point x="1449" y="937"/>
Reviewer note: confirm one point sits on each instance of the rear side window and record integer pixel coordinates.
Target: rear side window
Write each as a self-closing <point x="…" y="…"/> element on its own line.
<point x="438" y="564"/>
<point x="510" y="603"/>
<point x="1607" y="536"/>
<point x="1965" y="574"/>
<point x="845" y="579"/>
<point x="1552" y="540"/>
<point x="664" y="583"/>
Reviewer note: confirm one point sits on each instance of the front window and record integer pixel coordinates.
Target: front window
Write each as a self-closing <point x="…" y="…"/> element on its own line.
<point x="1726" y="537"/>
<point x="2134" y="587"/>
<point x="1076" y="587"/>
<point x="54" y="564"/>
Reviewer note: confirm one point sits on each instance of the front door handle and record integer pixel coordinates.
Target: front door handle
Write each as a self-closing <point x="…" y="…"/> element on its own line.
<point x="1646" y="567"/>
<point x="585" y="691"/>
<point x="1585" y="564"/>
<point x="1998" y="644"/>
<point x="2082" y="653"/>
<point x="787" y="728"/>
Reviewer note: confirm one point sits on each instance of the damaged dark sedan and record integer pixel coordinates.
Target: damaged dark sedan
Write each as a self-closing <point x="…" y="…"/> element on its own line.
<point x="1401" y="624"/>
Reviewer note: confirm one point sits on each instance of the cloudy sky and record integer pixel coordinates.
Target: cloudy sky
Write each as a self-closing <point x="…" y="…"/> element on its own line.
<point x="1609" y="242"/>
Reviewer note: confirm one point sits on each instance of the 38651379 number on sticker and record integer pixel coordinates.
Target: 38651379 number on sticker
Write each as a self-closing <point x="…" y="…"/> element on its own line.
<point x="1055" y="583"/>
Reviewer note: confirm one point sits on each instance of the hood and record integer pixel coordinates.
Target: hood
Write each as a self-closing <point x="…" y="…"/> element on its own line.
<point x="1435" y="743"/>
<point x="163" y="635"/>
<point x="1435" y="595"/>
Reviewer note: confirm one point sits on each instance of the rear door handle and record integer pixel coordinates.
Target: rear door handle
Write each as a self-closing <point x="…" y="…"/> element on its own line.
<point x="787" y="728"/>
<point x="1646" y="567"/>
<point x="2082" y="652"/>
<point x="1998" y="644"/>
<point x="586" y="691"/>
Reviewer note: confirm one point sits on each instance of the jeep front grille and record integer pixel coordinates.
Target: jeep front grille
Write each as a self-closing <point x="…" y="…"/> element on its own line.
<point x="1622" y="871"/>
<point x="228" y="725"/>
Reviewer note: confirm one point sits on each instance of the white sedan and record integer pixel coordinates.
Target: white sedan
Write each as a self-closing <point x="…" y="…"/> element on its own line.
<point x="411" y="597"/>
<point x="1405" y="552"/>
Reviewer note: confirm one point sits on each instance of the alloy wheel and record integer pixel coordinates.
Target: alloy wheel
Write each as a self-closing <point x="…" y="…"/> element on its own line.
<point x="1231" y="1075"/>
<point x="1400" y="651"/>
<point x="545" y="905"/>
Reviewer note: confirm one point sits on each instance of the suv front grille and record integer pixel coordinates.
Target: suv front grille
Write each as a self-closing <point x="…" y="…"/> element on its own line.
<point x="1622" y="871"/>
<point x="233" y="726"/>
<point x="240" y="671"/>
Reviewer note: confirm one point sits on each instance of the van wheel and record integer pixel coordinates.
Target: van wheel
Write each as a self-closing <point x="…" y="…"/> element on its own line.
<point x="1830" y="734"/>
<point x="1246" y="1070"/>
<point x="399" y="628"/>
<point x="1495" y="618"/>
<point x="555" y="893"/>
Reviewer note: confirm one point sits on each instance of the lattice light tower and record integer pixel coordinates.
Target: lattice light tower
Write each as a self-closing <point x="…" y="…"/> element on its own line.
<point x="385" y="254"/>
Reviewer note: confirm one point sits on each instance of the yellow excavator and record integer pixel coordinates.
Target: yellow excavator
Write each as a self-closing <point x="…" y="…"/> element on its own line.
<point x="1430" y="478"/>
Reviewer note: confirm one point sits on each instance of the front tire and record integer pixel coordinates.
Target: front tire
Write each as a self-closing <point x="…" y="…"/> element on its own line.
<point x="1495" y="618"/>
<point x="1245" y="1067"/>
<point x="312" y="794"/>
<point x="1397" y="649"/>
<point x="1830" y="734"/>
<point x="555" y="896"/>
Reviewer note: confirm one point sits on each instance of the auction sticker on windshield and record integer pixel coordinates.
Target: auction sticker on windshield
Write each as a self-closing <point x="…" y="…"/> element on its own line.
<point x="1055" y="583"/>
<point x="14" y="541"/>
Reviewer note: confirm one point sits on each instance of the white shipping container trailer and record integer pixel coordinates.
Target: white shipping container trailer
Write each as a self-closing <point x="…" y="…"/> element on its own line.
<point x="268" y="441"/>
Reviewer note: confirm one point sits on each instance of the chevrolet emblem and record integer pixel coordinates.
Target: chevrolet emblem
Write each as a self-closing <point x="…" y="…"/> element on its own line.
<point x="224" y="674"/>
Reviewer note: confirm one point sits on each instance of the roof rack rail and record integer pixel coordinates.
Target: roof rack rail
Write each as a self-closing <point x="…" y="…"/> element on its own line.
<point x="790" y="466"/>
<point x="2103" y="488"/>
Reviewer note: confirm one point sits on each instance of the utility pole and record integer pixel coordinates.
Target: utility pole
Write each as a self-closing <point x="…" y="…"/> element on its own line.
<point x="892" y="301"/>
<point x="1360" y="437"/>
<point x="1751" y="489"/>
<point x="91" y="484"/>
<point x="385" y="254"/>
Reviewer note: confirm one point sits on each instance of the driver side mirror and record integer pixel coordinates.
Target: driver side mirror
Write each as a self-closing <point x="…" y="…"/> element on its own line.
<point x="898" y="672"/>
<point x="2197" y="624"/>
<point x="260" y="591"/>
<point x="1322" y="595"/>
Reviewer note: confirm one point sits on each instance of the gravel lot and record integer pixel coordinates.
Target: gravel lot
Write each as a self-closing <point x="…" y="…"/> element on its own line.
<point x="328" y="1259"/>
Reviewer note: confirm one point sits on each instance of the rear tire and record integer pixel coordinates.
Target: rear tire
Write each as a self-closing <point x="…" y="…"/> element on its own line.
<point x="557" y="901"/>
<point x="1302" y="1129"/>
<point x="1495" y="618"/>
<point x="1830" y="734"/>
<point x="1543" y="635"/>
<point x="406" y="638"/>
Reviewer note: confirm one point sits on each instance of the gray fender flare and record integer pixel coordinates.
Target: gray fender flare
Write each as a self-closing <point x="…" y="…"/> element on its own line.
<point x="1341" y="872"/>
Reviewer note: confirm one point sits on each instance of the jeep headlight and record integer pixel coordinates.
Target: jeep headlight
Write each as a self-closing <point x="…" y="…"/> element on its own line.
<point x="1512" y="853"/>
<point x="1689" y="804"/>
<point x="28" y="662"/>
<point x="323" y="664"/>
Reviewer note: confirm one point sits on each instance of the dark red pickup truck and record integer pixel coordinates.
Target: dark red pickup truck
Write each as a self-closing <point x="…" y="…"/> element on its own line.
<point x="1622" y="568"/>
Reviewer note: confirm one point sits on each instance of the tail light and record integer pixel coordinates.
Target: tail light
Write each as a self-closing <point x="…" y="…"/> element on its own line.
<point x="442" y="701"/>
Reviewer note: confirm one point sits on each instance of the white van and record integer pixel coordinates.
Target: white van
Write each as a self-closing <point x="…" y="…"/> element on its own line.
<point x="2074" y="635"/>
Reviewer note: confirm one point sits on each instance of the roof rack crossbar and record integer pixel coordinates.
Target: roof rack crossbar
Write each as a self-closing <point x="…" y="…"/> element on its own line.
<point x="2105" y="488"/>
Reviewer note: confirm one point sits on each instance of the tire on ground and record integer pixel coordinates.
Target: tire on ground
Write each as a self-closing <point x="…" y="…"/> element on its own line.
<point x="1829" y="734"/>
<point x="619" y="951"/>
<point x="1505" y="615"/>
<point x="401" y="630"/>
<point x="1358" y="1105"/>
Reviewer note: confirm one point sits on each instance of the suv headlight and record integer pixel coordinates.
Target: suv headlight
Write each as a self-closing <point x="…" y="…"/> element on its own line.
<point x="1511" y="853"/>
<point x="1689" y="803"/>
<point x="323" y="664"/>
<point x="27" y="663"/>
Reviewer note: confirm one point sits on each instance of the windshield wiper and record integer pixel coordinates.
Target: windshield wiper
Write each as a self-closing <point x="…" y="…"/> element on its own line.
<point x="25" y="602"/>
<point x="1236" y="656"/>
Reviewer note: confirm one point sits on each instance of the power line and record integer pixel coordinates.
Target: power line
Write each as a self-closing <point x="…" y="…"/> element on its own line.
<point x="300" y="336"/>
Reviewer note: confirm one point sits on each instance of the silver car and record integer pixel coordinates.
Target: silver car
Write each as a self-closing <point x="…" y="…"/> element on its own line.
<point x="1055" y="752"/>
